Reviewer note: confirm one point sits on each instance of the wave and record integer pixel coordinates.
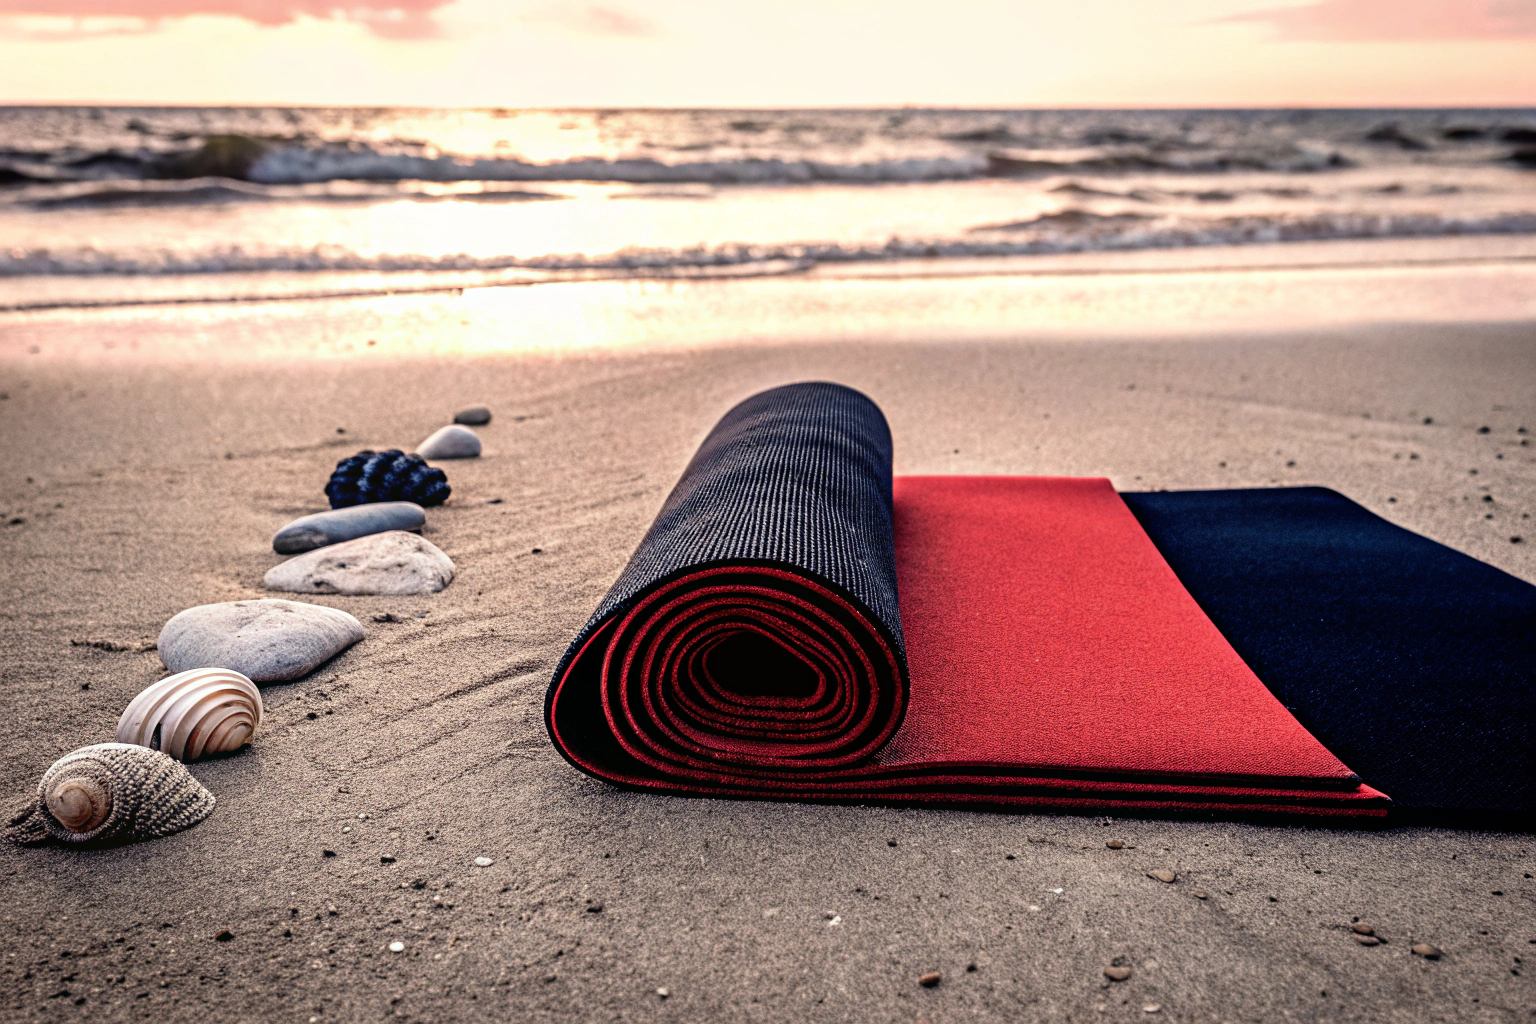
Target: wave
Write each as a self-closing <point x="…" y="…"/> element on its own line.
<point x="199" y="191"/>
<point x="1063" y="232"/>
<point x="270" y="161"/>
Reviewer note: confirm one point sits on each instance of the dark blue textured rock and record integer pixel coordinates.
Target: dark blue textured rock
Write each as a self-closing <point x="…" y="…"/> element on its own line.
<point x="371" y="476"/>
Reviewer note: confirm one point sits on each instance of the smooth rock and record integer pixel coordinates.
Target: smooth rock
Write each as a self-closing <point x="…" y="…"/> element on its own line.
<point x="930" y="979"/>
<point x="1117" y="973"/>
<point x="478" y="416"/>
<point x="1361" y="928"/>
<point x="343" y="524"/>
<point x="1162" y="875"/>
<point x="1427" y="951"/>
<point x="382" y="563"/>
<point x="267" y="641"/>
<point x="1114" y="844"/>
<point x="451" y="442"/>
<point x="1367" y="940"/>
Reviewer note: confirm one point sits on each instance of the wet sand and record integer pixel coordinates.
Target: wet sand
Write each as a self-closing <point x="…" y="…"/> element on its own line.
<point x="137" y="486"/>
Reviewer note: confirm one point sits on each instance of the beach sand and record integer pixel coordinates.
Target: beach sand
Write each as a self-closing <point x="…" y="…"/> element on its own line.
<point x="152" y="453"/>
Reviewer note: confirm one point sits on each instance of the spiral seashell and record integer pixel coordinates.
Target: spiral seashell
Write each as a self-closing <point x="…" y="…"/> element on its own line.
<point x="372" y="476"/>
<point x="193" y="714"/>
<point x="112" y="792"/>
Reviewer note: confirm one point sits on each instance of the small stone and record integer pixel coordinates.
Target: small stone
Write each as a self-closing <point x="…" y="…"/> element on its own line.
<point x="1162" y="875"/>
<point x="1117" y="973"/>
<point x="1114" y="844"/>
<point x="386" y="859"/>
<point x="1361" y="928"/>
<point x="397" y="946"/>
<point x="1367" y="940"/>
<point x="1200" y="894"/>
<point x="224" y="936"/>
<point x="475" y="416"/>
<point x="267" y="641"/>
<point x="390" y="563"/>
<point x="1152" y="1008"/>
<point x="327" y="853"/>
<point x="930" y="979"/>
<point x="663" y="993"/>
<point x="342" y="524"/>
<point x="451" y="442"/>
<point x="1426" y="951"/>
<point x="483" y="862"/>
<point x="596" y="908"/>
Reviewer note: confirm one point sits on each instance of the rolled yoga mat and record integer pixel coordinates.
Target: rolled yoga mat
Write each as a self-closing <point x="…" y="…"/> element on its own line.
<point x="798" y="625"/>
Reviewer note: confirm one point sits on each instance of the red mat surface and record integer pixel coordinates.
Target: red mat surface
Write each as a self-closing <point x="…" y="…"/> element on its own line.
<point x="1055" y="662"/>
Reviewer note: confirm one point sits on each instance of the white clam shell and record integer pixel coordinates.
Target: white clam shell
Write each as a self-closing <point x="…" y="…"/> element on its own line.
<point x="193" y="714"/>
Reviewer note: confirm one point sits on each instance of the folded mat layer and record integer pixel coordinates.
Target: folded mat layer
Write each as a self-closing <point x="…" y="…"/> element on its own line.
<point x="1414" y="663"/>
<point x="1042" y="654"/>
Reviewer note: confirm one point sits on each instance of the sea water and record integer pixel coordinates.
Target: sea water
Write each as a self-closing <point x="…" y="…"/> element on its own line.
<point x="100" y="206"/>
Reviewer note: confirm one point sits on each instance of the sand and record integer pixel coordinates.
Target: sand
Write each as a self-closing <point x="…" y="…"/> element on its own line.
<point x="137" y="486"/>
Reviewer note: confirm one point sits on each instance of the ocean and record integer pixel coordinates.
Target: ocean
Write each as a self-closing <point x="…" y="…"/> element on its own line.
<point x="105" y="206"/>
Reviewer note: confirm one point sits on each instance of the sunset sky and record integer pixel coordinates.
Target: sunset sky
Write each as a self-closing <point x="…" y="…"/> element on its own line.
<point x="792" y="53"/>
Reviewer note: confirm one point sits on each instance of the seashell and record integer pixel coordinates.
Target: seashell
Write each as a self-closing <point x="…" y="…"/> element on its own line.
<point x="372" y="476"/>
<point x="109" y="793"/>
<point x="193" y="714"/>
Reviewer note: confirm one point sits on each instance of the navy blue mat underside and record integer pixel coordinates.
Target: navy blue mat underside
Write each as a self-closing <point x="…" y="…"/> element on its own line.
<point x="1413" y="663"/>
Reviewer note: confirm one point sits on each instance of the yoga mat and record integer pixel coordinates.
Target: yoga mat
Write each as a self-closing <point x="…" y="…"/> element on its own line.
<point x="1041" y="652"/>
<point x="1414" y="663"/>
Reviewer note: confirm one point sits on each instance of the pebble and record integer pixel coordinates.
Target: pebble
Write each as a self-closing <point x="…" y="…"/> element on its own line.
<point x="1367" y="940"/>
<point x="663" y="992"/>
<point x="451" y="442"/>
<point x="1162" y="875"/>
<point x="1117" y="973"/>
<point x="397" y="947"/>
<point x="1426" y="951"/>
<point x="1114" y="844"/>
<point x="483" y="862"/>
<point x="1152" y="1008"/>
<point x="267" y="641"/>
<point x="382" y="563"/>
<point x="476" y="416"/>
<point x="342" y="524"/>
<point x="1361" y="928"/>
<point x="930" y="979"/>
<point x="1200" y="894"/>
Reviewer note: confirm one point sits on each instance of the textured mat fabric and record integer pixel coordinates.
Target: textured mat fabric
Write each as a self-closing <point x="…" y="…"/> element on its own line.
<point x="1414" y="663"/>
<point x="1041" y="653"/>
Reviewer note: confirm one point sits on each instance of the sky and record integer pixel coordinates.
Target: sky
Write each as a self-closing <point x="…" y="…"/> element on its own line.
<point x="788" y="53"/>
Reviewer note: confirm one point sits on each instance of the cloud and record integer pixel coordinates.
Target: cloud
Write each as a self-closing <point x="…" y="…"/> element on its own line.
<point x="593" y="20"/>
<point x="1358" y="21"/>
<point x="410" y="19"/>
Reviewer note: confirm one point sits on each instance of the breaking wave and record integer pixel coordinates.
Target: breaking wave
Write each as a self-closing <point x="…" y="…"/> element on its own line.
<point x="1062" y="232"/>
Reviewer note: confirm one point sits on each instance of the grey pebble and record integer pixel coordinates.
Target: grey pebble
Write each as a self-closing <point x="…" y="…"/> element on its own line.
<point x="382" y="563"/>
<point x="477" y="416"/>
<point x="268" y="641"/>
<point x="342" y="524"/>
<point x="451" y="442"/>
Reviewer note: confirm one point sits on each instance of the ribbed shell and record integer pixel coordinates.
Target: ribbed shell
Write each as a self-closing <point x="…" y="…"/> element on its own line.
<point x="150" y="795"/>
<point x="193" y="714"/>
<point x="392" y="475"/>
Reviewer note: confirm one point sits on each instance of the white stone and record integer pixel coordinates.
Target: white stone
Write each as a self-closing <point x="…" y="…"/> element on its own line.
<point x="483" y="862"/>
<point x="451" y="442"/>
<point x="382" y="563"/>
<point x="267" y="641"/>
